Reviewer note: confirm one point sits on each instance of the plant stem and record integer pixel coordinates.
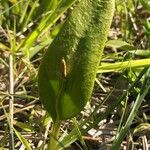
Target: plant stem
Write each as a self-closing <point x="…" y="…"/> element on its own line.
<point x="11" y="102"/>
<point x="54" y="136"/>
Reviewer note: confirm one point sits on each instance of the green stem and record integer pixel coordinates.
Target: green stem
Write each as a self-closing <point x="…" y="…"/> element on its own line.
<point x="54" y="136"/>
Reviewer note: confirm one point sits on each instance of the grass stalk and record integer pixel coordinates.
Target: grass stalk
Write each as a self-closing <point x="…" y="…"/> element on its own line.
<point x="120" y="66"/>
<point x="11" y="102"/>
<point x="79" y="134"/>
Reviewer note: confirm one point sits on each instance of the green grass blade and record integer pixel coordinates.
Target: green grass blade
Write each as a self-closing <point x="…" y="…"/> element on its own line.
<point x="79" y="134"/>
<point x="145" y="4"/>
<point x="45" y="42"/>
<point x="45" y="24"/>
<point x="120" y="44"/>
<point x="47" y="6"/>
<point x="120" y="66"/>
<point x="23" y="140"/>
<point x="29" y="17"/>
<point x="141" y="52"/>
<point x="124" y="130"/>
<point x="24" y="126"/>
<point x="24" y="12"/>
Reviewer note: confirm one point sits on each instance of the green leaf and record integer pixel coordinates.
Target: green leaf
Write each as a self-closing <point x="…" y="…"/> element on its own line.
<point x="23" y="140"/>
<point x="3" y="47"/>
<point x="23" y="126"/>
<point x="141" y="52"/>
<point x="46" y="119"/>
<point x="73" y="136"/>
<point x="68" y="69"/>
<point x="45" y="42"/>
<point x="145" y="4"/>
<point x="120" y="66"/>
<point x="119" y="44"/>
<point x="140" y="97"/>
<point x="46" y="23"/>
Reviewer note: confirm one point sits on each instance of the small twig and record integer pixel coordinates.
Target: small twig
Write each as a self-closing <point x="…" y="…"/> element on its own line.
<point x="11" y="109"/>
<point x="145" y="143"/>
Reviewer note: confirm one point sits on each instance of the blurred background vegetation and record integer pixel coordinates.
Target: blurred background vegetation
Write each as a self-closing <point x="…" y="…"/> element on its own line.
<point x="120" y="104"/>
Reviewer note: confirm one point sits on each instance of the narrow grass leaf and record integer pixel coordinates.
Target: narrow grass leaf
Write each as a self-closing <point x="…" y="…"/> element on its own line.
<point x="119" y="44"/>
<point x="47" y="6"/>
<point x="120" y="66"/>
<point x="46" y="41"/>
<point x="24" y="126"/>
<point x="124" y="130"/>
<point x="29" y="16"/>
<point x="46" y="23"/>
<point x="141" y="52"/>
<point x="145" y="4"/>
<point x="79" y="134"/>
<point x="23" y="140"/>
<point x="24" y="12"/>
